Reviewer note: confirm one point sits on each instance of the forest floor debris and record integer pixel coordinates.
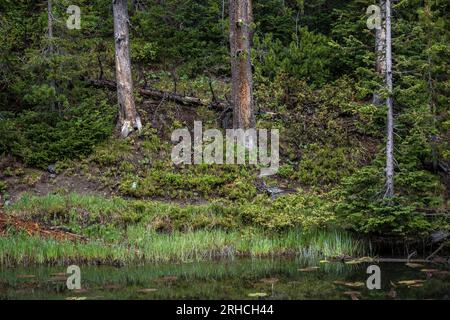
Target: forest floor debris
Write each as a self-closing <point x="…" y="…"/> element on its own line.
<point x="34" y="229"/>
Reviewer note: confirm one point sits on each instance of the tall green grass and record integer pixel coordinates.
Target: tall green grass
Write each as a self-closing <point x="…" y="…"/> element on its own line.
<point x="130" y="231"/>
<point x="142" y="245"/>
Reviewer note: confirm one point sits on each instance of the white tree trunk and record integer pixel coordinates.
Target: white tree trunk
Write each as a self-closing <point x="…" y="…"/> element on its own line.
<point x="50" y="24"/>
<point x="128" y="117"/>
<point x="390" y="111"/>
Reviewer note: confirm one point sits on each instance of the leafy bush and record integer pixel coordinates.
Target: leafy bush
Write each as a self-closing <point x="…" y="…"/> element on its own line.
<point x="10" y="140"/>
<point x="360" y="205"/>
<point x="309" y="57"/>
<point x="308" y="211"/>
<point x="190" y="181"/>
<point x="40" y="138"/>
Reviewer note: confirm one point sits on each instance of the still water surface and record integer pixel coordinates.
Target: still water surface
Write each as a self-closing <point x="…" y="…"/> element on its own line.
<point x="236" y="279"/>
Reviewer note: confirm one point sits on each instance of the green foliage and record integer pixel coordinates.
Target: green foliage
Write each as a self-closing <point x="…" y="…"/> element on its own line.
<point x="325" y="166"/>
<point x="10" y="141"/>
<point x="314" y="77"/>
<point x="286" y="171"/>
<point x="146" y="246"/>
<point x="309" y="57"/>
<point x="46" y="138"/>
<point x="161" y="232"/>
<point x="360" y="204"/>
<point x="55" y="116"/>
<point x="85" y="213"/>
<point x="181" y="33"/>
<point x="308" y="211"/>
<point x="191" y="181"/>
<point x="3" y="186"/>
<point x="111" y="152"/>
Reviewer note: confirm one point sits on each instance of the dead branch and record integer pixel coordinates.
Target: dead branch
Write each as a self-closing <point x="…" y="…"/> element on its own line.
<point x="163" y="95"/>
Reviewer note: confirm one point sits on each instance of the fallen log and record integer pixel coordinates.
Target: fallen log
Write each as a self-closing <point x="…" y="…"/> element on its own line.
<point x="108" y="84"/>
<point x="183" y="100"/>
<point x="400" y="260"/>
<point x="436" y="251"/>
<point x="160" y="95"/>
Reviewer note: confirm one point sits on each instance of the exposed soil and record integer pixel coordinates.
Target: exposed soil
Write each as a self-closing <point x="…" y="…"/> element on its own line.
<point x="34" y="229"/>
<point x="46" y="185"/>
<point x="41" y="183"/>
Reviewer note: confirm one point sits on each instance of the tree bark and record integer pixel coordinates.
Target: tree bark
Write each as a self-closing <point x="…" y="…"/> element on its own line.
<point x="241" y="68"/>
<point x="380" y="48"/>
<point x="129" y="119"/>
<point x="50" y="24"/>
<point x="390" y="112"/>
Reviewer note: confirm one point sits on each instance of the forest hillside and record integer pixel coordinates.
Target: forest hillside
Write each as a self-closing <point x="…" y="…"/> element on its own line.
<point x="91" y="96"/>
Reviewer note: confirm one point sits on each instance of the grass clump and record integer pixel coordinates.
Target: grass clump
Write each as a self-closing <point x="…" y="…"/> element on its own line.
<point x="126" y="231"/>
<point x="145" y="246"/>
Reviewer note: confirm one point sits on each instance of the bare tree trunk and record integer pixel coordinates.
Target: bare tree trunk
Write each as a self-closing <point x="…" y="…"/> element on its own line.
<point x="50" y="24"/>
<point x="380" y="49"/>
<point x="241" y="68"/>
<point x="128" y="117"/>
<point x="389" y="104"/>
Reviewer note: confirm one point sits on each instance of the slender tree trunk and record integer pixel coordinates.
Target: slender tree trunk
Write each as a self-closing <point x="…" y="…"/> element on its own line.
<point x="128" y="117"/>
<point x="380" y="49"/>
<point x="50" y="24"/>
<point x="241" y="68"/>
<point x="390" y="111"/>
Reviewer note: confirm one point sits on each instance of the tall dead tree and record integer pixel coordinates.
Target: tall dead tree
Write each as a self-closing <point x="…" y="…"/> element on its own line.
<point x="390" y="108"/>
<point x="129" y="119"/>
<point x="241" y="68"/>
<point x="50" y="24"/>
<point x="380" y="50"/>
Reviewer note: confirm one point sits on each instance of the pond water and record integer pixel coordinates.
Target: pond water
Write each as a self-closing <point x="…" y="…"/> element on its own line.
<point x="232" y="279"/>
